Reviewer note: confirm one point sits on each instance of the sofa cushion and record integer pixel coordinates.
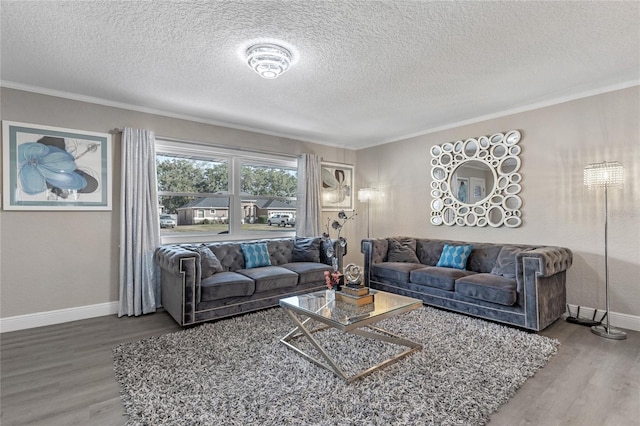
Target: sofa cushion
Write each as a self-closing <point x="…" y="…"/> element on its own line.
<point x="306" y="250"/>
<point x="271" y="277"/>
<point x="488" y="287"/>
<point x="226" y="284"/>
<point x="455" y="256"/>
<point x="506" y="262"/>
<point x="434" y="276"/>
<point x="402" y="250"/>
<point x="395" y="271"/>
<point x="308" y="272"/>
<point x="256" y="255"/>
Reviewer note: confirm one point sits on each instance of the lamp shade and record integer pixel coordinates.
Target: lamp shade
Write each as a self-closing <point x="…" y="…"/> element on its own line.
<point x="366" y="194"/>
<point x="608" y="174"/>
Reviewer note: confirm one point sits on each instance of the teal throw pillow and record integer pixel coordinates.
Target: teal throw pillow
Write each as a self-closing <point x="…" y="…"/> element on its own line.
<point x="455" y="256"/>
<point x="256" y="255"/>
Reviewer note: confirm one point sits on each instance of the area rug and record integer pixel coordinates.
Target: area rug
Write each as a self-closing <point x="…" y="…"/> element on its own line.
<point x="236" y="372"/>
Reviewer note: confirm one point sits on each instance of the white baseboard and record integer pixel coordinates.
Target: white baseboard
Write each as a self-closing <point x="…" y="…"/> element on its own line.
<point x="39" y="319"/>
<point x="618" y="320"/>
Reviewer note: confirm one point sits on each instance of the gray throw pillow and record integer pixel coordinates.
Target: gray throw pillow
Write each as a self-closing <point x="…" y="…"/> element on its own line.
<point x="506" y="262"/>
<point x="306" y="249"/>
<point x="209" y="263"/>
<point x="402" y="250"/>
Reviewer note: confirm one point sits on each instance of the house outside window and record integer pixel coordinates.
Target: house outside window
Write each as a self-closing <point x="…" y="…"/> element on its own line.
<point x="219" y="194"/>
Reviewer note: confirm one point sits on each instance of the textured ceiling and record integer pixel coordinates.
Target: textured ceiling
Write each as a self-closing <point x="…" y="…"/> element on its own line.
<point x="364" y="72"/>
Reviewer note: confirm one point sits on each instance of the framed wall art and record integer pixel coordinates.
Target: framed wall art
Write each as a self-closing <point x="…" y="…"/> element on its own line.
<point x="51" y="168"/>
<point x="337" y="186"/>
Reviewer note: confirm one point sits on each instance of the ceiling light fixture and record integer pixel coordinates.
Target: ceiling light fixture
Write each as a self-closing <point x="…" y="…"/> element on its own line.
<point x="268" y="60"/>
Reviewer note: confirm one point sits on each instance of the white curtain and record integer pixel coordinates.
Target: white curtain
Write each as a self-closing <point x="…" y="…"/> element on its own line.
<point x="308" y="222"/>
<point x="140" y="224"/>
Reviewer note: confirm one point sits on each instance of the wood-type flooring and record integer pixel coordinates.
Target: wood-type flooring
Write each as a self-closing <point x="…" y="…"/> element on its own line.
<point x="63" y="375"/>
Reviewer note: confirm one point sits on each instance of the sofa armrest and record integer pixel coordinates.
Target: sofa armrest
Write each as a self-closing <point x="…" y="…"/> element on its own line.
<point x="548" y="260"/>
<point x="375" y="251"/>
<point x="180" y="280"/>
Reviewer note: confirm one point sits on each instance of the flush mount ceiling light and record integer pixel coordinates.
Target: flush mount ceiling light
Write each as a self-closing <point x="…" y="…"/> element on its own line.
<point x="268" y="60"/>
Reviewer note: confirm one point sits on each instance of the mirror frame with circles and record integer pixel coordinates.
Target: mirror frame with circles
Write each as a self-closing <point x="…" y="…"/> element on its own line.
<point x="501" y="204"/>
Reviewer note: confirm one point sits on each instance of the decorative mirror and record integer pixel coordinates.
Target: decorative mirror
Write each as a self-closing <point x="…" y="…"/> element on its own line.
<point x="476" y="182"/>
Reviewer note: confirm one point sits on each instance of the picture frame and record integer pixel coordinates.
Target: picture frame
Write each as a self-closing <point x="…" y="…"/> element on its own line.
<point x="80" y="180"/>
<point x="337" y="186"/>
<point x="462" y="189"/>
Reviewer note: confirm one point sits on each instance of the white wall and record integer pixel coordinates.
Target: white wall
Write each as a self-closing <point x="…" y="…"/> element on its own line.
<point x="55" y="261"/>
<point x="557" y="143"/>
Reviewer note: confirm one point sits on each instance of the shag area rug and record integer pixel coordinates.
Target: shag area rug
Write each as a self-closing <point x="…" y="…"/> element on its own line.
<point x="236" y="372"/>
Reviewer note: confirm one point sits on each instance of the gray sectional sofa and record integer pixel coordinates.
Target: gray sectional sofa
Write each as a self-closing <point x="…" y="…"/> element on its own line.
<point x="202" y="282"/>
<point x="520" y="285"/>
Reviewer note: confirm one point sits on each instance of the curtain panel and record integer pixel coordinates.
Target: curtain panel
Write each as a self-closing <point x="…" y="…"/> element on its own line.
<point x="308" y="220"/>
<point x="140" y="224"/>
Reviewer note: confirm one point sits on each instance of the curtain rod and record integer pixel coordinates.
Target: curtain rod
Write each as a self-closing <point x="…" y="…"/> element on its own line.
<point x="221" y="146"/>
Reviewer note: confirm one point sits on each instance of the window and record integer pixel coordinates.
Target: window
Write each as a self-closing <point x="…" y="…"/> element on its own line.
<point x="219" y="194"/>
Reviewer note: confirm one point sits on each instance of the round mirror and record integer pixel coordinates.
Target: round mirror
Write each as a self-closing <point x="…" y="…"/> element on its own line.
<point x="438" y="173"/>
<point x="436" y="193"/>
<point x="513" y="137"/>
<point x="512" y="202"/>
<point x="437" y="205"/>
<point x="499" y="151"/>
<point x="436" y="220"/>
<point x="470" y="148"/>
<point x="495" y="216"/>
<point x="445" y="159"/>
<point x="472" y="182"/>
<point x="497" y="138"/>
<point x="448" y="216"/>
<point x="509" y="165"/>
<point x="435" y="151"/>
<point x="457" y="148"/>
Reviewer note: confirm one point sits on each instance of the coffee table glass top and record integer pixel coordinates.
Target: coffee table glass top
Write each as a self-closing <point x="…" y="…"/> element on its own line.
<point x="322" y="305"/>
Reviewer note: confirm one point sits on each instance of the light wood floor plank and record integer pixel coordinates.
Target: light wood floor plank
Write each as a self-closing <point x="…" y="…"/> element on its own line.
<point x="63" y="375"/>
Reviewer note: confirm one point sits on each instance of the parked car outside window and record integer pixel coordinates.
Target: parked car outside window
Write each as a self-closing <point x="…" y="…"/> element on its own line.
<point x="166" y="221"/>
<point x="281" y="220"/>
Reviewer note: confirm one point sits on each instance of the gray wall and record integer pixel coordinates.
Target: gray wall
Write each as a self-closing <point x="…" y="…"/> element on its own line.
<point x="58" y="260"/>
<point x="558" y="141"/>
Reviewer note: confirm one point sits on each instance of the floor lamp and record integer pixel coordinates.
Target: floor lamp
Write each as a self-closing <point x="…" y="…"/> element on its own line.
<point x="365" y="195"/>
<point x="605" y="175"/>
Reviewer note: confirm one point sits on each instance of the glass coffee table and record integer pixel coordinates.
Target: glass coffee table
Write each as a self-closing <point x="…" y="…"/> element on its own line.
<point x="322" y="307"/>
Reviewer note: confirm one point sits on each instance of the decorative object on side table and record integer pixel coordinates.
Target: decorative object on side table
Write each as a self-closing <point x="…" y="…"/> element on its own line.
<point x="354" y="292"/>
<point x="605" y="175"/>
<point x="333" y="279"/>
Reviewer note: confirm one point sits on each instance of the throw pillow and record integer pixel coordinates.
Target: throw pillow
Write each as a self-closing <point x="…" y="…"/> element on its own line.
<point x="402" y="250"/>
<point x="455" y="256"/>
<point x="209" y="263"/>
<point x="256" y="255"/>
<point x="506" y="262"/>
<point x="306" y="249"/>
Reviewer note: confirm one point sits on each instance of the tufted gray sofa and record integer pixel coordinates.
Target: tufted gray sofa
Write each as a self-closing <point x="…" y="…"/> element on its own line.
<point x="521" y="285"/>
<point x="191" y="296"/>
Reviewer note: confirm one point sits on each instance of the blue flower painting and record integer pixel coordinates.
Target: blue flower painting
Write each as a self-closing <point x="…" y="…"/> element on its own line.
<point x="42" y="164"/>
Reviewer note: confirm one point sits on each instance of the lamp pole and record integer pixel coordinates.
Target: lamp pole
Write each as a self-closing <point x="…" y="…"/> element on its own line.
<point x="607" y="331"/>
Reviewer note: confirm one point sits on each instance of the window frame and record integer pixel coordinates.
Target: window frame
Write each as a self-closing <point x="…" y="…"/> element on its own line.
<point x="235" y="158"/>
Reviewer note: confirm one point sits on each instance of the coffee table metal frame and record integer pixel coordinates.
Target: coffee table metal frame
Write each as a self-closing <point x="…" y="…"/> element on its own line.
<point x="357" y="324"/>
